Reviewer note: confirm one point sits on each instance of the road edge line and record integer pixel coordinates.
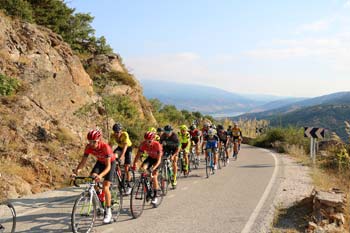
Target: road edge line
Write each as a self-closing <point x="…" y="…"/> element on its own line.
<point x="265" y="195"/>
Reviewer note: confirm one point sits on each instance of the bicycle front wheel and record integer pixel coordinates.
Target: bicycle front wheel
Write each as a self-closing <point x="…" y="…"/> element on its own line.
<point x="164" y="181"/>
<point x="137" y="199"/>
<point x="84" y="214"/>
<point x="7" y="218"/>
<point x="117" y="201"/>
<point x="208" y="165"/>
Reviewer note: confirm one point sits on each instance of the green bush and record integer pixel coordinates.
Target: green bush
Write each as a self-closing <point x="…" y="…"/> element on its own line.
<point x="8" y="86"/>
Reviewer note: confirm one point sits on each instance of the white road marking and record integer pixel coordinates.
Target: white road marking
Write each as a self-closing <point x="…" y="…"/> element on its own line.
<point x="254" y="215"/>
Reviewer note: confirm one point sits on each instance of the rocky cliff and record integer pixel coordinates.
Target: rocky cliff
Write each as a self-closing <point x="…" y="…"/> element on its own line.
<point x="41" y="133"/>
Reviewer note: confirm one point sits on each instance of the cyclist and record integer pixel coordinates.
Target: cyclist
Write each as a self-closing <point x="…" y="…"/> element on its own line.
<point x="211" y="142"/>
<point x="155" y="153"/>
<point x="195" y="138"/>
<point x="237" y="135"/>
<point x="205" y="129"/>
<point x="123" y="150"/>
<point x="185" y="144"/>
<point x="224" y="139"/>
<point x="170" y="143"/>
<point x="104" y="167"/>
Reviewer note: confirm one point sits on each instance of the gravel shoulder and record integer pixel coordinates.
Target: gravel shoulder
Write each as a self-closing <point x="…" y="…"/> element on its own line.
<point x="293" y="184"/>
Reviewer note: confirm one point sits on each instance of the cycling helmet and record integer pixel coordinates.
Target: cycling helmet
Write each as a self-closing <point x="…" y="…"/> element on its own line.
<point x="220" y="127"/>
<point x="206" y="124"/>
<point x="235" y="124"/>
<point x="94" y="135"/>
<point x="230" y="126"/>
<point x="168" y="128"/>
<point x="149" y="135"/>
<point x="183" y="127"/>
<point x="211" y="132"/>
<point x="159" y="130"/>
<point x="213" y="126"/>
<point x="117" y="127"/>
<point x="193" y="127"/>
<point x="152" y="129"/>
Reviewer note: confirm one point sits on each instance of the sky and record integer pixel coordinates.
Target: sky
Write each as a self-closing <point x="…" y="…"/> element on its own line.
<point x="286" y="48"/>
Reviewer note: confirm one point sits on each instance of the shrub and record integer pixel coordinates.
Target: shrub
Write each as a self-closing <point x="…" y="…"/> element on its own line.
<point x="8" y="86"/>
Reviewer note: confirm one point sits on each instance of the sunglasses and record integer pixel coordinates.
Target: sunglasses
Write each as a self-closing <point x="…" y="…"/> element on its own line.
<point x="93" y="142"/>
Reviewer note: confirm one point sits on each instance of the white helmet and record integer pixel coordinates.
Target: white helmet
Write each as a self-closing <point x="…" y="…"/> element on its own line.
<point x="211" y="132"/>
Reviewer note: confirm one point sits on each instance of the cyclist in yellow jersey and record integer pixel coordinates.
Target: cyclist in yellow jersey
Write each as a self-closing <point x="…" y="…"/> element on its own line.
<point x="185" y="143"/>
<point x="236" y="136"/>
<point x="123" y="150"/>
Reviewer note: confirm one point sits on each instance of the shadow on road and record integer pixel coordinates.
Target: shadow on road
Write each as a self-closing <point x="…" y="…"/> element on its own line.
<point x="256" y="166"/>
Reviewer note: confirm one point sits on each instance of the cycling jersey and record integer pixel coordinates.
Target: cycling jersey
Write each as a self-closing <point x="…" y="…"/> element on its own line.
<point x="223" y="135"/>
<point x="153" y="150"/>
<point x="122" y="140"/>
<point x="211" y="142"/>
<point x="184" y="141"/>
<point x="205" y="131"/>
<point x="236" y="132"/>
<point x="170" y="142"/>
<point x="102" y="152"/>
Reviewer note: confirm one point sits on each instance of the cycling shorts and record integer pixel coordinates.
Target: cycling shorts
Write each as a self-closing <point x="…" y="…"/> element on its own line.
<point x="236" y="138"/>
<point x="195" y="140"/>
<point x="128" y="154"/>
<point x="99" y="167"/>
<point x="211" y="144"/>
<point x="149" y="162"/>
<point x="186" y="147"/>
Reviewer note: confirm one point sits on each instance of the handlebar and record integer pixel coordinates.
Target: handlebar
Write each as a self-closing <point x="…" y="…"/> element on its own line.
<point x="89" y="179"/>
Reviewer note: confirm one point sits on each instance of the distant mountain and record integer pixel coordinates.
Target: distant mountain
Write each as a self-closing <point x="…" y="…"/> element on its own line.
<point x="335" y="98"/>
<point x="208" y="100"/>
<point x="328" y="111"/>
<point x="276" y="104"/>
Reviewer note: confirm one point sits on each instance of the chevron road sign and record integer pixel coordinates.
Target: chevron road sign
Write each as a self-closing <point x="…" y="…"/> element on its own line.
<point x="311" y="132"/>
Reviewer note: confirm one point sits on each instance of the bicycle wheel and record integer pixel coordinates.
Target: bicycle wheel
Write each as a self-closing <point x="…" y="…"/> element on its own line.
<point x="84" y="213"/>
<point x="137" y="199"/>
<point x="117" y="201"/>
<point x="208" y="165"/>
<point x="219" y="162"/>
<point x="7" y="218"/>
<point x="164" y="181"/>
<point x="223" y="158"/>
<point x="160" y="193"/>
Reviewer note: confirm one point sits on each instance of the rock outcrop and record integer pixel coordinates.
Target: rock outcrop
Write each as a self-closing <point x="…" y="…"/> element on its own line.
<point x="41" y="133"/>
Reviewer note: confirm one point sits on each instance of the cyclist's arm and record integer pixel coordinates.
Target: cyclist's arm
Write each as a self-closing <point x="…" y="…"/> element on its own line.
<point x="159" y="160"/>
<point x="137" y="157"/>
<point x="125" y="147"/>
<point x="81" y="164"/>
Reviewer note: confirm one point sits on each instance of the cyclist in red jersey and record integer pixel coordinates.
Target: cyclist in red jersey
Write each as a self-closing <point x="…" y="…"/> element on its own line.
<point x="104" y="167"/>
<point x="195" y="138"/>
<point x="155" y="152"/>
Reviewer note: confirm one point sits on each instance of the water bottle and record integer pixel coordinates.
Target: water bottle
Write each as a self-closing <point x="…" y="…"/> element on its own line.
<point x="101" y="195"/>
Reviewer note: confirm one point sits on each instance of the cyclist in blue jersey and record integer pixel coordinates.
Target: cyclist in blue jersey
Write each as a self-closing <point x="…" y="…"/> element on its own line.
<point x="211" y="142"/>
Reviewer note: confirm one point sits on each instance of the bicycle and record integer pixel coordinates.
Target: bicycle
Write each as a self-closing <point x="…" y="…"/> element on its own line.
<point x="7" y="217"/>
<point x="181" y="164"/>
<point x="235" y="148"/>
<point x="193" y="158"/>
<point x="209" y="162"/>
<point x="166" y="172"/>
<point x="143" y="191"/>
<point x="121" y="177"/>
<point x="222" y="155"/>
<point x="90" y="204"/>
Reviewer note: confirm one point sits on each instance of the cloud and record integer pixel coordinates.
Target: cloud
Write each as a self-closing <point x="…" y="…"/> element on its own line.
<point x="347" y="4"/>
<point x="317" y="26"/>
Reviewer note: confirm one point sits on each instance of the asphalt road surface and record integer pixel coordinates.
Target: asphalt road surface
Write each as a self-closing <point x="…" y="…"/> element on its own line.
<point x="233" y="200"/>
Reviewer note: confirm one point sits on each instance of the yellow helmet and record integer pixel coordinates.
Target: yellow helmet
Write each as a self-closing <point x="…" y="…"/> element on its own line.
<point x="152" y="129"/>
<point x="183" y="127"/>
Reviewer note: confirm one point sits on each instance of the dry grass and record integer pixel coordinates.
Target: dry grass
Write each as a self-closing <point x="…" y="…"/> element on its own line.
<point x="14" y="169"/>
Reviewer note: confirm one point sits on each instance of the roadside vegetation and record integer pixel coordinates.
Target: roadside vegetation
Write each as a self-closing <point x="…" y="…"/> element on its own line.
<point x="332" y="167"/>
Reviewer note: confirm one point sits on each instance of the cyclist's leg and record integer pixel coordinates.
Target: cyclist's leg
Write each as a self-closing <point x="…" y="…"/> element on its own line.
<point x="127" y="163"/>
<point x="186" y="160"/>
<point x="174" y="169"/>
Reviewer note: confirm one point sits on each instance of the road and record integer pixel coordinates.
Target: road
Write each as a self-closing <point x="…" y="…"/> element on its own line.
<point x="233" y="200"/>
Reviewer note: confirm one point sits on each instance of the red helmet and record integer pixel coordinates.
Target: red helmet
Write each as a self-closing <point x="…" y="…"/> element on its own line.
<point x="94" y="135"/>
<point x="149" y="135"/>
